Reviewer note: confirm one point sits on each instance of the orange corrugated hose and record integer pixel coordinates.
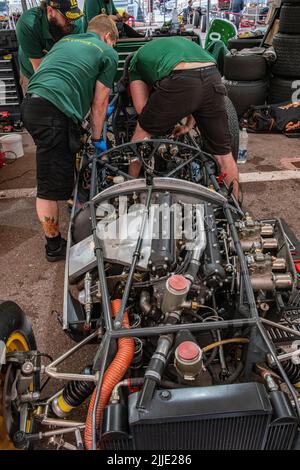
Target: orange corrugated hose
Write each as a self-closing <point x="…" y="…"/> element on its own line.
<point x="113" y="375"/>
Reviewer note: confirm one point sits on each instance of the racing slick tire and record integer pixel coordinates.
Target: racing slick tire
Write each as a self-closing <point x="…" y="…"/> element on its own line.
<point x="246" y="94"/>
<point x="244" y="67"/>
<point x="281" y="90"/>
<point x="233" y="123"/>
<point x="287" y="48"/>
<point x="17" y="335"/>
<point x="247" y="43"/>
<point x="289" y="22"/>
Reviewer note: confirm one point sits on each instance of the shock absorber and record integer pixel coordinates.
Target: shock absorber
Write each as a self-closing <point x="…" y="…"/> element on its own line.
<point x="73" y="395"/>
<point x="293" y="372"/>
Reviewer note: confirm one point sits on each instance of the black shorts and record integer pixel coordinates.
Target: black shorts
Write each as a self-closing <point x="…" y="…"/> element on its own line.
<point x="199" y="92"/>
<point x="57" y="139"/>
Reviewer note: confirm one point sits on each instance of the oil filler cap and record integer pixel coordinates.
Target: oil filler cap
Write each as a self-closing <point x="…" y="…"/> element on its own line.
<point x="178" y="283"/>
<point x="188" y="351"/>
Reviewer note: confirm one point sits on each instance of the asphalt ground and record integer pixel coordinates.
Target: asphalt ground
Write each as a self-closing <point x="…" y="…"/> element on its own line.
<point x="37" y="285"/>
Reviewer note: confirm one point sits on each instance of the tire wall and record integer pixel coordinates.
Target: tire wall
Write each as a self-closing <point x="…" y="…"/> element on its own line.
<point x="285" y="71"/>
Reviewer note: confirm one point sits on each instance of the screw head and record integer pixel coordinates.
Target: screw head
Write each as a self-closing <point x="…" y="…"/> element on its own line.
<point x="165" y="395"/>
<point x="27" y="368"/>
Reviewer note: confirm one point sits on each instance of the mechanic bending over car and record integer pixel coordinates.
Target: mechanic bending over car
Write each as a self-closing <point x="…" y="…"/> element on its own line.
<point x="39" y="28"/>
<point x="92" y="8"/>
<point x="173" y="78"/>
<point x="76" y="75"/>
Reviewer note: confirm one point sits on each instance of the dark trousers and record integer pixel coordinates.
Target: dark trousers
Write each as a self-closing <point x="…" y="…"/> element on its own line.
<point x="199" y="92"/>
<point x="57" y="139"/>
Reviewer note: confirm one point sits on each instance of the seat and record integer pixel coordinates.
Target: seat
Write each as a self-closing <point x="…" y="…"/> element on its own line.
<point x="220" y="30"/>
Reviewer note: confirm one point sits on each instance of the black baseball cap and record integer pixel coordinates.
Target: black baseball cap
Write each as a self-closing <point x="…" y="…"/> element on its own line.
<point x="69" y="8"/>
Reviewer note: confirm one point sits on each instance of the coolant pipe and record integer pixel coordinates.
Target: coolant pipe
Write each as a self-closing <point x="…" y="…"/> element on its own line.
<point x="155" y="369"/>
<point x="156" y="366"/>
<point x="113" y="375"/>
<point x="131" y="382"/>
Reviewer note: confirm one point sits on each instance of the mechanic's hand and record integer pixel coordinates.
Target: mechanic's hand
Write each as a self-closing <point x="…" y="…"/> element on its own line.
<point x="180" y="130"/>
<point x="185" y="128"/>
<point x="228" y="165"/>
<point x="84" y="138"/>
<point x="100" y="146"/>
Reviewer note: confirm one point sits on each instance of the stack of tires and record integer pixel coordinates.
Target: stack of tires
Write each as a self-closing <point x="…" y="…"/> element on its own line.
<point x="286" y="69"/>
<point x="245" y="78"/>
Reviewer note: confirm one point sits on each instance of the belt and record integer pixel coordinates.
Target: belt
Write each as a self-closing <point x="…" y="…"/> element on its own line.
<point x="199" y="69"/>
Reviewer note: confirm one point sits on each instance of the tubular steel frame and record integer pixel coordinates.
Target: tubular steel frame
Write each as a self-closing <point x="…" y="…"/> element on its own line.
<point x="254" y="322"/>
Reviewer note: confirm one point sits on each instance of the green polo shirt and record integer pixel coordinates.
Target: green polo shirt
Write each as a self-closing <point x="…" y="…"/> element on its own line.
<point x="156" y="59"/>
<point x="68" y="74"/>
<point x="93" y="8"/>
<point x="34" y="37"/>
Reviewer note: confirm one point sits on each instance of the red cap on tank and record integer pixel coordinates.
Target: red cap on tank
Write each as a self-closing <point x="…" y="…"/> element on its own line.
<point x="188" y="351"/>
<point x="178" y="282"/>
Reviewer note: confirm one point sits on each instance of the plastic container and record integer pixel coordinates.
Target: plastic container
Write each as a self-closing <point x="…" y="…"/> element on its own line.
<point x="12" y="143"/>
<point x="243" y="147"/>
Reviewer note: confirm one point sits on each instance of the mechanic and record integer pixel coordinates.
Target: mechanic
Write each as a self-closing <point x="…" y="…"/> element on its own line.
<point x="191" y="15"/>
<point x="76" y="75"/>
<point x="40" y="28"/>
<point x="92" y="8"/>
<point x="237" y="8"/>
<point x="173" y="78"/>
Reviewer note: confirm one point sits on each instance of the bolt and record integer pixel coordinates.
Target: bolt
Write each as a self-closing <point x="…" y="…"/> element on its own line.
<point x="165" y="395"/>
<point x="271" y="360"/>
<point x="27" y="368"/>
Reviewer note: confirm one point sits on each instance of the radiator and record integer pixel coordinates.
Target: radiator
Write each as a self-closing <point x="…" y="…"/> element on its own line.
<point x="224" y="417"/>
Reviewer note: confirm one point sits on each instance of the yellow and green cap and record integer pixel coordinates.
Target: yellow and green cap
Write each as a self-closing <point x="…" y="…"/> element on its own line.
<point x="69" y="8"/>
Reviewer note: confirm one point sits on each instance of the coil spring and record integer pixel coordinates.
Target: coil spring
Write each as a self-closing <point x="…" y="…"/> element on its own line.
<point x="76" y="392"/>
<point x="292" y="371"/>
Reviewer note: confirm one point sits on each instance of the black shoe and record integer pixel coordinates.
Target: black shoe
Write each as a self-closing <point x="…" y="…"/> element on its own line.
<point x="59" y="253"/>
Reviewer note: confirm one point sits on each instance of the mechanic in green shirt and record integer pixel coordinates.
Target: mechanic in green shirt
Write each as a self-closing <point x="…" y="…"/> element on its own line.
<point x="172" y="79"/>
<point x="39" y="28"/>
<point x="75" y="76"/>
<point x="96" y="7"/>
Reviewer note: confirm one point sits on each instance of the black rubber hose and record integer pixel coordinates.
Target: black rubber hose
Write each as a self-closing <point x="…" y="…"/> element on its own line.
<point x="235" y="375"/>
<point x="212" y="357"/>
